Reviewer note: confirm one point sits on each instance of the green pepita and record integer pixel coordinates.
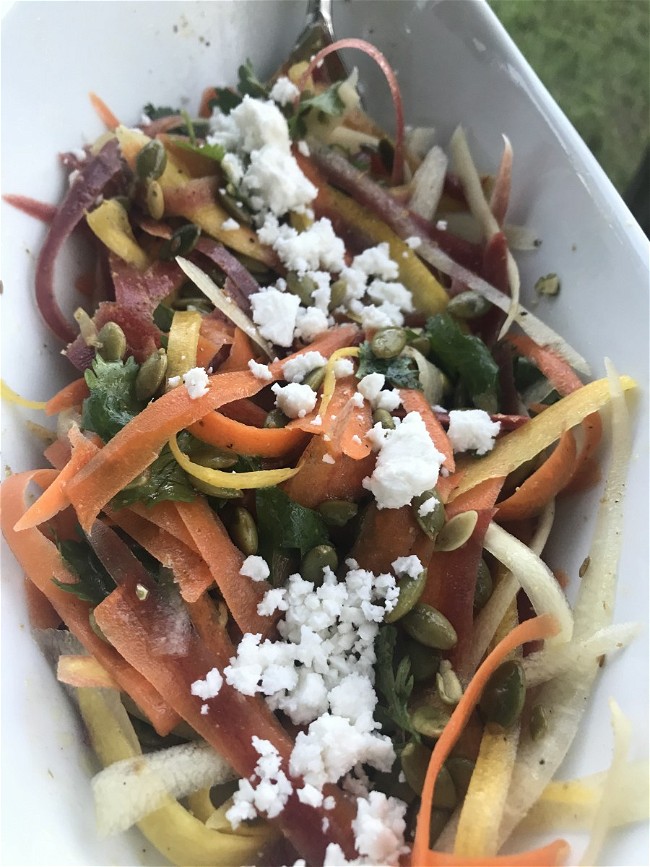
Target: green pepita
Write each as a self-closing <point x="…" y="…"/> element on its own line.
<point x="538" y="723"/>
<point x="384" y="418"/>
<point x="151" y="161"/>
<point x="448" y="684"/>
<point x="212" y="457"/>
<point x="314" y="378"/>
<point x="456" y="531"/>
<point x="445" y="796"/>
<point x="430" y="627"/>
<point x="276" y="418"/>
<point x="235" y="208"/>
<point x="425" y="661"/>
<point x="422" y="344"/>
<point x="337" y="513"/>
<point x="410" y="590"/>
<point x="461" y="770"/>
<point x="113" y="342"/>
<point x="96" y="627"/>
<point x="302" y="286"/>
<point x="414" y="759"/>
<point x="468" y="305"/>
<point x="388" y="342"/>
<point x="243" y="531"/>
<point x="151" y="375"/>
<point x="338" y="291"/>
<point x="87" y="327"/>
<point x="437" y="822"/>
<point x="316" y="560"/>
<point x="430" y="719"/>
<point x="214" y="490"/>
<point x="155" y="199"/>
<point x="484" y="584"/>
<point x="504" y="694"/>
<point x="433" y="521"/>
<point x="182" y="241"/>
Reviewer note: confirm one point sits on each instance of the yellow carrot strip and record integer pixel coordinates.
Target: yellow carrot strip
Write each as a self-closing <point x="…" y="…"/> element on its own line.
<point x="11" y="396"/>
<point x="83" y="671"/>
<point x="183" y="342"/>
<point x="221" y="479"/>
<point x="110" y="223"/>
<point x="330" y="379"/>
<point x="527" y="441"/>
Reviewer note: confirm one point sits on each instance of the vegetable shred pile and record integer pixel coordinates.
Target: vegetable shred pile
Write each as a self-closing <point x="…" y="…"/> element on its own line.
<point x="289" y="555"/>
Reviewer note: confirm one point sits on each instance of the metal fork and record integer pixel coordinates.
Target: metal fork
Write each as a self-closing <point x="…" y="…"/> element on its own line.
<point x="317" y="33"/>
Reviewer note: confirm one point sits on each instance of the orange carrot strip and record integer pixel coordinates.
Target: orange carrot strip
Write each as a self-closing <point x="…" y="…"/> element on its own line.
<point x="204" y="108"/>
<point x="54" y="499"/>
<point x="105" y="114"/>
<point x="70" y="395"/>
<point x="224" y="561"/>
<point x="190" y="571"/>
<point x="241" y="353"/>
<point x="537" y="628"/>
<point x="551" y="855"/>
<point x="58" y="453"/>
<point x="219" y="430"/>
<point x="41" y="561"/>
<point x="385" y="535"/>
<point x="481" y="496"/>
<point x="555" y="369"/>
<point x="83" y="671"/>
<point x="541" y="486"/>
<point x="585" y="470"/>
<point x="320" y="480"/>
<point x="415" y="401"/>
<point x="39" y="608"/>
<point x="245" y="411"/>
<point x="165" y="516"/>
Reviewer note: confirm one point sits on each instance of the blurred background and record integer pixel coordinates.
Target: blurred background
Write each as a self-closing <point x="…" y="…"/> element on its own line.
<point x="594" y="58"/>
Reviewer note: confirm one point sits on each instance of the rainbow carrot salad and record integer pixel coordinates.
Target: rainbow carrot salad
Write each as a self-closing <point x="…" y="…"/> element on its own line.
<point x="288" y="554"/>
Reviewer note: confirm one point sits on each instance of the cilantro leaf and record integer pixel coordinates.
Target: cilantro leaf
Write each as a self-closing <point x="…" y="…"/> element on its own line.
<point x="164" y="479"/>
<point x="328" y="102"/>
<point x="400" y="372"/>
<point x="394" y="687"/>
<point x="283" y="523"/>
<point x="112" y="402"/>
<point x="94" y="583"/>
<point x="249" y="83"/>
<point x="156" y="112"/>
<point x="465" y="358"/>
<point x="224" y="99"/>
<point x="214" y="152"/>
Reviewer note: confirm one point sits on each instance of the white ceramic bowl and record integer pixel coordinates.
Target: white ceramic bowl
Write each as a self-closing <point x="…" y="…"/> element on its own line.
<point x="456" y="65"/>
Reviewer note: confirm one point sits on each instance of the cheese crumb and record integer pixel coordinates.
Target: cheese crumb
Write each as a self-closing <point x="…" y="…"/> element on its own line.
<point x="328" y="459"/>
<point x="260" y="371"/>
<point x="376" y="261"/>
<point x="428" y="506"/>
<point x="303" y="147"/>
<point x="274" y="313"/>
<point x="284" y="91"/>
<point x="472" y="430"/>
<point x="230" y="225"/>
<point x="343" y="367"/>
<point x="208" y="688"/>
<point x="297" y="368"/>
<point x="204" y="709"/>
<point x="410" y="566"/>
<point x="414" y="242"/>
<point x="173" y="381"/>
<point x="266" y="792"/>
<point x="196" y="382"/>
<point x="255" y="567"/>
<point x="294" y="400"/>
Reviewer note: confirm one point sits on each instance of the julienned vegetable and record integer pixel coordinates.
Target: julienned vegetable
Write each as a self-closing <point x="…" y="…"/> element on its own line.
<point x="294" y="530"/>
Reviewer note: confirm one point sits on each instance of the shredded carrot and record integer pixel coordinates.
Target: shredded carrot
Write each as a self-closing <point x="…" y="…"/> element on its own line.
<point x="586" y="470"/>
<point x="207" y="96"/>
<point x="555" y="369"/>
<point x="69" y="396"/>
<point x="544" y="626"/>
<point x="241" y="352"/>
<point x="223" y="432"/>
<point x="415" y="401"/>
<point x="165" y="515"/>
<point x="105" y="114"/>
<point x="552" y="855"/>
<point x="41" y="561"/>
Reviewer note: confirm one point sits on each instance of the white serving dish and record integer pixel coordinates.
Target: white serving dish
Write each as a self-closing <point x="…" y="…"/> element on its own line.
<point x="456" y="65"/>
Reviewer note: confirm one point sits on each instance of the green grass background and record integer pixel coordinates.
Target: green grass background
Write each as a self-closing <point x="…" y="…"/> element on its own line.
<point x="594" y="58"/>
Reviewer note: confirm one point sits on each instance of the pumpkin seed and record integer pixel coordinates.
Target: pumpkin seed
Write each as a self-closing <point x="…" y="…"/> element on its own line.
<point x="388" y="342"/>
<point x="316" y="560"/>
<point x="314" y="378"/>
<point x="236" y="209"/>
<point x="337" y="513"/>
<point x="410" y="590"/>
<point x="87" y="327"/>
<point x="212" y="457"/>
<point x="484" y="584"/>
<point x="461" y="770"/>
<point x="182" y="241"/>
<point x="302" y="286"/>
<point x="151" y="161"/>
<point x="338" y="291"/>
<point x="422" y="344"/>
<point x="414" y="759"/>
<point x="448" y="685"/>
<point x="113" y="342"/>
<point x="151" y="375"/>
<point x="538" y="723"/>
<point x="155" y="199"/>
<point x="430" y="719"/>
<point x="445" y="796"/>
<point x="468" y="305"/>
<point x="276" y="418"/>
<point x="243" y="531"/>
<point x="437" y="822"/>
<point x="456" y="531"/>
<point x="504" y="694"/>
<point x="384" y="418"/>
<point x="434" y="520"/>
<point x="425" y="661"/>
<point x="431" y="628"/>
<point x="214" y="490"/>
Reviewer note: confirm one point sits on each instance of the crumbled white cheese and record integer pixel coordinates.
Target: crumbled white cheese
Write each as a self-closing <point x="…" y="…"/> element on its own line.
<point x="250" y="126"/>
<point x="371" y="385"/>
<point x="408" y="463"/>
<point x="208" y="688"/>
<point x="274" y="600"/>
<point x="356" y="439"/>
<point x="414" y="242"/>
<point x="392" y="293"/>
<point x="294" y="400"/>
<point x="328" y="459"/>
<point x="273" y="181"/>
<point x="274" y="313"/>
<point x="310" y="322"/>
<point x="255" y="567"/>
<point x="343" y="367"/>
<point x="173" y="381"/>
<point x="316" y="248"/>
<point x="296" y="369"/>
<point x="376" y="261"/>
<point x="379" y="828"/>
<point x="388" y="399"/>
<point x="441" y="225"/>
<point x="204" y="709"/>
<point x="374" y="317"/>
<point x="230" y="225"/>
<point x="233" y="168"/>
<point x="357" y="399"/>
<point x="260" y="371"/>
<point x="284" y="91"/>
<point x="317" y="421"/>
<point x="410" y="566"/>
<point x="303" y="147"/>
<point x="266" y="792"/>
<point x="322" y="294"/>
<point x="472" y="430"/>
<point x="428" y="506"/>
<point x="197" y="382"/>
<point x="310" y="795"/>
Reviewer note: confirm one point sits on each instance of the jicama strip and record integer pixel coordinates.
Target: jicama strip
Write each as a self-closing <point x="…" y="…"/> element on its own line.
<point x="534" y="577"/>
<point x="130" y="789"/>
<point x="428" y="182"/>
<point x="545" y="664"/>
<point x="538" y="761"/>
<point x="171" y="829"/>
<point x="529" y="440"/>
<point x="479" y="206"/>
<point x="602" y="822"/>
<point x="83" y="671"/>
